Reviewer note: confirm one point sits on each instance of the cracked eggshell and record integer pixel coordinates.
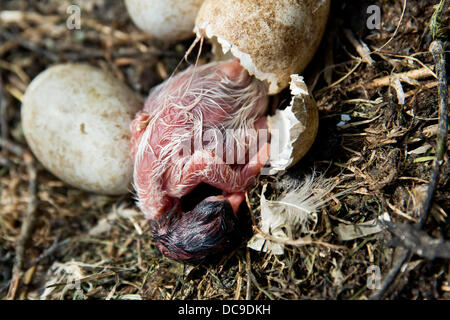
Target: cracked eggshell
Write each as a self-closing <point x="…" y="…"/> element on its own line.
<point x="294" y="129"/>
<point x="76" y="120"/>
<point x="169" y="20"/>
<point x="272" y="39"/>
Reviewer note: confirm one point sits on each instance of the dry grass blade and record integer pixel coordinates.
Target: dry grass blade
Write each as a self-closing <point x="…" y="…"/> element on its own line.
<point x="299" y="242"/>
<point x="27" y="225"/>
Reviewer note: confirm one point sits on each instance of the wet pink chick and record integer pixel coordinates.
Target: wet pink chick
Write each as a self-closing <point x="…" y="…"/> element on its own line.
<point x="203" y="125"/>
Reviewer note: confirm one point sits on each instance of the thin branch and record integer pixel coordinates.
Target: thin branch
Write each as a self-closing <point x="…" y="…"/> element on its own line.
<point x="416" y="74"/>
<point x="3" y="113"/>
<point x="10" y="146"/>
<point x="299" y="242"/>
<point x="403" y="256"/>
<point x="418" y="241"/>
<point x="27" y="225"/>
<point x="248" y="269"/>
<point x="437" y="50"/>
<point x="360" y="47"/>
<point x="48" y="252"/>
<point x="28" y="45"/>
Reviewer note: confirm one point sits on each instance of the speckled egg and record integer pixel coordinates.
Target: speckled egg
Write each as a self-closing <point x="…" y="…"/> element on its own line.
<point x="272" y="39"/>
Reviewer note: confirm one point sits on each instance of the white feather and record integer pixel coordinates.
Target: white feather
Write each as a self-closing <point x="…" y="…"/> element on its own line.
<point x="293" y="213"/>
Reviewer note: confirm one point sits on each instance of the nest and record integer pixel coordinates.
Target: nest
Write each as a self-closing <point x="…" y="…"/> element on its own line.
<point x="377" y="93"/>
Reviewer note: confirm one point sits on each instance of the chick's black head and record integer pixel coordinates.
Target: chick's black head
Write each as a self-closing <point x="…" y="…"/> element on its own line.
<point x="202" y="234"/>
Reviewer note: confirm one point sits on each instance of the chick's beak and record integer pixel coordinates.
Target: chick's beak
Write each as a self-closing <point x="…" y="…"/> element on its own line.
<point x="235" y="200"/>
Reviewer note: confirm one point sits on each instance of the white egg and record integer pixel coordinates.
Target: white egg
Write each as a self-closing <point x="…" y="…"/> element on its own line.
<point x="76" y="120"/>
<point x="168" y="20"/>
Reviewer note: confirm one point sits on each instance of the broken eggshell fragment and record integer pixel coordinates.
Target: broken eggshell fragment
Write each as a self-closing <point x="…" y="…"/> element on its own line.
<point x="294" y="129"/>
<point x="76" y="120"/>
<point x="272" y="39"/>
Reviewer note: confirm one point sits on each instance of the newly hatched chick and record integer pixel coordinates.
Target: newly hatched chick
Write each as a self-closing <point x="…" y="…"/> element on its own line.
<point x="203" y="125"/>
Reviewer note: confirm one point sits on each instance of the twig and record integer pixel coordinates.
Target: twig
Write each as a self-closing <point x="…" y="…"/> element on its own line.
<point x="359" y="61"/>
<point x="251" y="278"/>
<point x="437" y="50"/>
<point x="410" y="58"/>
<point x="237" y="292"/>
<point x="85" y="279"/>
<point x="92" y="53"/>
<point x="47" y="252"/>
<point x="248" y="268"/>
<point x="27" y="225"/>
<point x="16" y="16"/>
<point x="299" y="242"/>
<point x="361" y="47"/>
<point x="425" y="86"/>
<point x="3" y="113"/>
<point x="418" y="241"/>
<point x="5" y="162"/>
<point x="28" y="45"/>
<point x="416" y="74"/>
<point x="400" y="213"/>
<point x="402" y="257"/>
<point x="14" y="148"/>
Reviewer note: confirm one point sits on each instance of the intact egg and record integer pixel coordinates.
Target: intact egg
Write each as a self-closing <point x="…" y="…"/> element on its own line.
<point x="272" y="39"/>
<point x="168" y="20"/>
<point x="76" y="120"/>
